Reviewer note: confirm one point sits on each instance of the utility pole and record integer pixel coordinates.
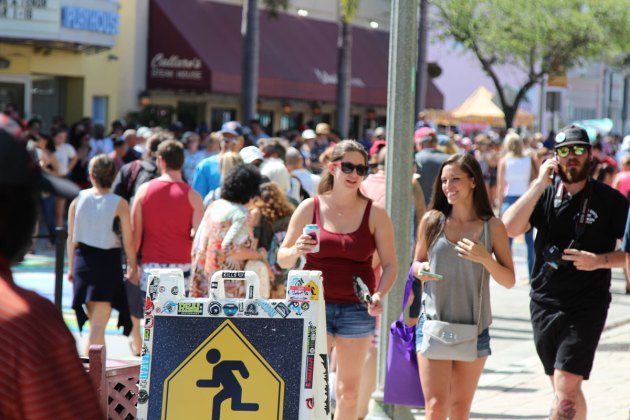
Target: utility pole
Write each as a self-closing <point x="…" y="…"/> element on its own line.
<point x="403" y="44"/>
<point x="250" y="35"/>
<point x="421" y="70"/>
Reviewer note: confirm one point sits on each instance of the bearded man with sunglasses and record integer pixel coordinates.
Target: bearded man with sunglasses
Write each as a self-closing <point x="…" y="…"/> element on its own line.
<point x="578" y="221"/>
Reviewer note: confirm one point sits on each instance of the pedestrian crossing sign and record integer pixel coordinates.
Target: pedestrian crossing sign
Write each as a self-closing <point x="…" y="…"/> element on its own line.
<point x="231" y="380"/>
<point x="231" y="359"/>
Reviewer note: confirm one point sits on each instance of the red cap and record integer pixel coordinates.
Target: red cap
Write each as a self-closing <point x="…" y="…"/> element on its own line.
<point x="423" y="133"/>
<point x="376" y="146"/>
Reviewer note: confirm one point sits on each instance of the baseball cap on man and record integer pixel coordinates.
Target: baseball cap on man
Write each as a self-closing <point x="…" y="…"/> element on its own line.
<point x="424" y="134"/>
<point x="572" y="134"/>
<point x="250" y="154"/>
<point x="232" y="127"/>
<point x="379" y="132"/>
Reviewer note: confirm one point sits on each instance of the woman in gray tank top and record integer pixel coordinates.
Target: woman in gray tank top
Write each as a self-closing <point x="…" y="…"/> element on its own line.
<point x="457" y="238"/>
<point x="94" y="252"/>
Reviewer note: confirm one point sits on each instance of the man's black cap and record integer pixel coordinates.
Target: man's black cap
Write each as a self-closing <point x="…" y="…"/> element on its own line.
<point x="572" y="134"/>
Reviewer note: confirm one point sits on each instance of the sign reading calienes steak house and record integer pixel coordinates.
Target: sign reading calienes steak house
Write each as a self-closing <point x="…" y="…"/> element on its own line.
<point x="175" y="67"/>
<point x="177" y="71"/>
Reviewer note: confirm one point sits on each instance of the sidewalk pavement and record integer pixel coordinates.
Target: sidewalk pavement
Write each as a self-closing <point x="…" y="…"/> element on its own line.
<point x="513" y="384"/>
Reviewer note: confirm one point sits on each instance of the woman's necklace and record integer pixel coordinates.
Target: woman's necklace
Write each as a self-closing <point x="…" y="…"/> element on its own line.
<point x="336" y="210"/>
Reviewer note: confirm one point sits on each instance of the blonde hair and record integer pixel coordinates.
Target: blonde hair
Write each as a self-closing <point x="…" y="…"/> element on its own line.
<point x="103" y="170"/>
<point x="228" y="161"/>
<point x="272" y="202"/>
<point x="338" y="152"/>
<point x="513" y="144"/>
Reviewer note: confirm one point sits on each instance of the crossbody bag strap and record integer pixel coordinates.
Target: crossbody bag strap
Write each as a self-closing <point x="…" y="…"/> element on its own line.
<point x="486" y="240"/>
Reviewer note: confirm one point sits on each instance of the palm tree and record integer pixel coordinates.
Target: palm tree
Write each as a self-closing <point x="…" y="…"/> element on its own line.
<point x="347" y="11"/>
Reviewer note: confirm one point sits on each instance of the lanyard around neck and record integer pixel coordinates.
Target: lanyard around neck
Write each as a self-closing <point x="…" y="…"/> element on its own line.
<point x="580" y="221"/>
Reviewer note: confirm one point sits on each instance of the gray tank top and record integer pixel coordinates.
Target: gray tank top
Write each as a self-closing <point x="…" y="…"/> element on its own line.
<point x="455" y="298"/>
<point x="94" y="219"/>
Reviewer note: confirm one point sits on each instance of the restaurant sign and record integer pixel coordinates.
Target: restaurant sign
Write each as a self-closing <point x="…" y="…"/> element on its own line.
<point x="174" y="67"/>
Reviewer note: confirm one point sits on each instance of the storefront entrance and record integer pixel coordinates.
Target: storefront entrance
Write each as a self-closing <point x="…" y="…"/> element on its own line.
<point x="13" y="92"/>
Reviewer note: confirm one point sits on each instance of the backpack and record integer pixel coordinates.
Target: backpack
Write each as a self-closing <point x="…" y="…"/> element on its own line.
<point x="137" y="173"/>
<point x="303" y="194"/>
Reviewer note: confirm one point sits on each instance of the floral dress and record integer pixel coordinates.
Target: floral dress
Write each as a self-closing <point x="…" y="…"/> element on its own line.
<point x="224" y="229"/>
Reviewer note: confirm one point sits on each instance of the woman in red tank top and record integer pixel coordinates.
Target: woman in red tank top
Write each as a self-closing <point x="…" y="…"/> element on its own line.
<point x="351" y="229"/>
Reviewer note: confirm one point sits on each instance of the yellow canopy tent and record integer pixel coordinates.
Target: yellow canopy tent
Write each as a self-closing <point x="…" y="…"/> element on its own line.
<point x="479" y="108"/>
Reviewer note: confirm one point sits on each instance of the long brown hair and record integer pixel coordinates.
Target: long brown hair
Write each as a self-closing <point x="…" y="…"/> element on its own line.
<point x="440" y="208"/>
<point x="339" y="151"/>
<point x="272" y="202"/>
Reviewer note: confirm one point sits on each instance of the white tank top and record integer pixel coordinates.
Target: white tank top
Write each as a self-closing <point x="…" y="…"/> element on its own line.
<point x="517" y="175"/>
<point x="94" y="219"/>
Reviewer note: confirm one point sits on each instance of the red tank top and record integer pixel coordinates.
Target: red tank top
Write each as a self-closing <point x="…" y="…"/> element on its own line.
<point x="341" y="255"/>
<point x="166" y="223"/>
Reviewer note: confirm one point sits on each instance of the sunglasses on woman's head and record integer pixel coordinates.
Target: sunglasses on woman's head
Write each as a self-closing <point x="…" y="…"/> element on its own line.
<point x="347" y="168"/>
<point x="565" y="150"/>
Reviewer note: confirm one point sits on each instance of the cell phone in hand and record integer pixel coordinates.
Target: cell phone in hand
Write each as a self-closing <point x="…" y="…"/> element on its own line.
<point x="361" y="290"/>
<point x="428" y="273"/>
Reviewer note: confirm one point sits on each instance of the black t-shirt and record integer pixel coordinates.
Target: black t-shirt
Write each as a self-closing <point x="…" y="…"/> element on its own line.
<point x="568" y="287"/>
<point x="132" y="175"/>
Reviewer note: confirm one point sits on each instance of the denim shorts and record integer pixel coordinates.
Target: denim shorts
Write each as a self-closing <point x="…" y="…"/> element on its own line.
<point x="349" y="320"/>
<point x="483" y="341"/>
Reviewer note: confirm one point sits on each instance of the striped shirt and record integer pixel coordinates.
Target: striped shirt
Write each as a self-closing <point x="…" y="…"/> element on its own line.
<point x="42" y="376"/>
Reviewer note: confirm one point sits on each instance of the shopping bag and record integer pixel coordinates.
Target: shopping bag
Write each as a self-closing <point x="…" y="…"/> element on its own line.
<point x="402" y="381"/>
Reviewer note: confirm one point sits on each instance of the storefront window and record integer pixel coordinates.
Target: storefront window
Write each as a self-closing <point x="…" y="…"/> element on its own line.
<point x="220" y="116"/>
<point x="291" y="121"/>
<point x="99" y="109"/>
<point x="191" y="114"/>
<point x="266" y="121"/>
<point x="325" y="118"/>
<point x="353" y="132"/>
<point x="12" y="93"/>
<point x="47" y="96"/>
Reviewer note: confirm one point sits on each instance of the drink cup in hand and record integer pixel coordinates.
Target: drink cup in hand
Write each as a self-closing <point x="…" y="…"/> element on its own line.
<point x="313" y="232"/>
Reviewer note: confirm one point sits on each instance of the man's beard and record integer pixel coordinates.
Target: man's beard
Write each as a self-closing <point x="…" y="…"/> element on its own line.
<point x="573" y="175"/>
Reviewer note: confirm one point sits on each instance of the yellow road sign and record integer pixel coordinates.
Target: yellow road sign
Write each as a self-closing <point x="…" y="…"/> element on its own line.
<point x="223" y="378"/>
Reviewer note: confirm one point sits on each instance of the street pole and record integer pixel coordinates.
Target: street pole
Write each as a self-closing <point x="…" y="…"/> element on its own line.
<point x="421" y="70"/>
<point x="61" y="235"/>
<point x="541" y="106"/>
<point x="403" y="44"/>
<point x="249" y="64"/>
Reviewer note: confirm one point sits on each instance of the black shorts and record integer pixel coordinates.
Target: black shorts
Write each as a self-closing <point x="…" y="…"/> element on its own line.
<point x="567" y="340"/>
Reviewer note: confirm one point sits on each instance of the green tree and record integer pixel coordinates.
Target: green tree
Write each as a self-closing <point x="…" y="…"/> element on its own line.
<point x="347" y="11"/>
<point x="535" y="36"/>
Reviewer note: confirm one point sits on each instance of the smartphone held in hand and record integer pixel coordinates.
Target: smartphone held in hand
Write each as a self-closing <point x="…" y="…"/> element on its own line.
<point x="428" y="273"/>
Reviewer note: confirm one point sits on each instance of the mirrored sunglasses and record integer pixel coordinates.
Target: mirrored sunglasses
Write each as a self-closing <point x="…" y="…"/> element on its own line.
<point x="565" y="150"/>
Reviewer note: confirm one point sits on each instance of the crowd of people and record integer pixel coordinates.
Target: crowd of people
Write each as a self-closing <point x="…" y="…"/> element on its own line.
<point x="238" y="199"/>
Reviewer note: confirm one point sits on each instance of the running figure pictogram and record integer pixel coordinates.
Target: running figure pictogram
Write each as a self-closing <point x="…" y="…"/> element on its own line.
<point x="223" y="375"/>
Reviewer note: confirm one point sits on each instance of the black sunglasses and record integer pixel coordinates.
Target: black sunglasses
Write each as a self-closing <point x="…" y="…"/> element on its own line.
<point x="347" y="168"/>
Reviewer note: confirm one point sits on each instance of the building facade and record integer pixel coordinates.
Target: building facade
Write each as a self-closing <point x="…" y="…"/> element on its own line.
<point x="194" y="64"/>
<point x="57" y="58"/>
